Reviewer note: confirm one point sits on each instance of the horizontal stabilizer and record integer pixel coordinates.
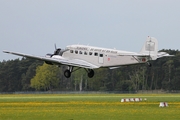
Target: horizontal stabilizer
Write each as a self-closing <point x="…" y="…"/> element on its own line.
<point x="164" y="54"/>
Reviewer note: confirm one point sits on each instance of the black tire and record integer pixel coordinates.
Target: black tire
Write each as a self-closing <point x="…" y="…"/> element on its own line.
<point x="67" y="73"/>
<point x="91" y="73"/>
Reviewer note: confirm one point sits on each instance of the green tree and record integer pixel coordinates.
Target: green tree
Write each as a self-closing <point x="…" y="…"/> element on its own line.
<point x="80" y="79"/>
<point x="46" y="77"/>
<point x="29" y="74"/>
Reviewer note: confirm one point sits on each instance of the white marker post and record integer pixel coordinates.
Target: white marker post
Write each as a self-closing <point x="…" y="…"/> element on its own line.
<point x="163" y="104"/>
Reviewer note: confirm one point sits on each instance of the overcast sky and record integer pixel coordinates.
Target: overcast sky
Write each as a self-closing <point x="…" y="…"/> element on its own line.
<point x="34" y="26"/>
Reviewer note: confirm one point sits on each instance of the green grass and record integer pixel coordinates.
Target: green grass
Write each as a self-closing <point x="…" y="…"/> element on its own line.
<point x="88" y="107"/>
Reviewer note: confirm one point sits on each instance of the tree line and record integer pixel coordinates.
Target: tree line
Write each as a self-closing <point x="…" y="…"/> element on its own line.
<point x="32" y="75"/>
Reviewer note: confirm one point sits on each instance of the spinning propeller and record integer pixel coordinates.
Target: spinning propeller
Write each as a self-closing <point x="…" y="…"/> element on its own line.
<point x="59" y="51"/>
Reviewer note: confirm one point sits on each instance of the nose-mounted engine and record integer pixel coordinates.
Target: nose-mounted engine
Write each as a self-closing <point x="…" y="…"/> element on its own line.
<point x="58" y="52"/>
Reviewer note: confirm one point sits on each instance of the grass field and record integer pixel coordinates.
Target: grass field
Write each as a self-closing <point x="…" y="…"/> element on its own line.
<point x="88" y="107"/>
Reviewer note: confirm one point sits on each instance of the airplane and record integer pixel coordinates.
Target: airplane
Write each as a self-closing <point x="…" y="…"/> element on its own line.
<point x="90" y="58"/>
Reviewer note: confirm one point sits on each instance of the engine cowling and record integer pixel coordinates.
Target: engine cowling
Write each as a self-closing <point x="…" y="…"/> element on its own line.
<point x="49" y="56"/>
<point x="49" y="63"/>
<point x="57" y="51"/>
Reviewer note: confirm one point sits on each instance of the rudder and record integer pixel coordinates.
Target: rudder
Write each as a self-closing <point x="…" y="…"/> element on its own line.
<point x="150" y="48"/>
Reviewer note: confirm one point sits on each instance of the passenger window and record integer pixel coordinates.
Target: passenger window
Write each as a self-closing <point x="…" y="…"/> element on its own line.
<point x="90" y="53"/>
<point x="85" y="53"/>
<point x="71" y="51"/>
<point x="100" y="55"/>
<point x="95" y="54"/>
<point x="76" y="51"/>
<point x="80" y="52"/>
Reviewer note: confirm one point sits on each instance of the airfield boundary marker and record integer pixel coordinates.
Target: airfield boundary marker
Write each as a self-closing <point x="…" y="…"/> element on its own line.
<point x="163" y="104"/>
<point x="131" y="99"/>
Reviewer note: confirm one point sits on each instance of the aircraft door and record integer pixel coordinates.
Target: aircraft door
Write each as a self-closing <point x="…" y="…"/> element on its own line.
<point x="101" y="58"/>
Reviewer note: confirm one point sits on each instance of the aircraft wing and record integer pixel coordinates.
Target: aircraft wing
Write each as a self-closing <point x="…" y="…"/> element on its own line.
<point x="60" y="60"/>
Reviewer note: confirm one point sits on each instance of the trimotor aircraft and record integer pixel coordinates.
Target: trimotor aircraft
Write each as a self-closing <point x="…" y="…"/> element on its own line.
<point x="90" y="58"/>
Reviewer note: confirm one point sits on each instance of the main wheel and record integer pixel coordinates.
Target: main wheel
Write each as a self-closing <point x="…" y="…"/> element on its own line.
<point x="90" y="73"/>
<point x="67" y="73"/>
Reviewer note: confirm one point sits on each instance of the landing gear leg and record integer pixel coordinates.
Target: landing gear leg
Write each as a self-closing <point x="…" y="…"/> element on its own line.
<point x="67" y="73"/>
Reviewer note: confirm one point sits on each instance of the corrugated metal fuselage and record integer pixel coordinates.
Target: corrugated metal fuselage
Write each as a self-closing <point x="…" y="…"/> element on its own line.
<point x="102" y="57"/>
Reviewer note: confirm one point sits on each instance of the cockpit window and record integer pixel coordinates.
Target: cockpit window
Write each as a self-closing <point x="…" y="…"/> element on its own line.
<point x="76" y="51"/>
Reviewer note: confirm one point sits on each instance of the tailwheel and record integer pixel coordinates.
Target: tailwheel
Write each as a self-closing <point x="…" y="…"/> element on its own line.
<point x="91" y="73"/>
<point x="149" y="64"/>
<point x="67" y="73"/>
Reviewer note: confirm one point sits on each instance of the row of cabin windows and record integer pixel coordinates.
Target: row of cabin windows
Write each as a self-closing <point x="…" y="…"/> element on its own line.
<point x="85" y="53"/>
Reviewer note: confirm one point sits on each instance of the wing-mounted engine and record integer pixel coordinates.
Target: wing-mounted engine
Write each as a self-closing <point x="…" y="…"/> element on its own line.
<point x="49" y="55"/>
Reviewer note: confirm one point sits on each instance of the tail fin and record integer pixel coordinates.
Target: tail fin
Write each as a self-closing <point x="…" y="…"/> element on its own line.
<point x="150" y="48"/>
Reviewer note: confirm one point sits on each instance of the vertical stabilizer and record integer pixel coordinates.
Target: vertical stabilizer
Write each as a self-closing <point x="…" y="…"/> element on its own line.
<point x="150" y="48"/>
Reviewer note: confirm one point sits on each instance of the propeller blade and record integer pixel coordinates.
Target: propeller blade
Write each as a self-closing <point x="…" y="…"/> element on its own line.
<point x="55" y="46"/>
